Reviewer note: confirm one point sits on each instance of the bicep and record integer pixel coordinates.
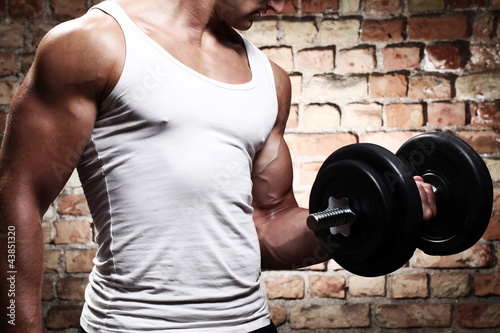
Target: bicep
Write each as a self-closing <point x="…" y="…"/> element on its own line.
<point x="273" y="172"/>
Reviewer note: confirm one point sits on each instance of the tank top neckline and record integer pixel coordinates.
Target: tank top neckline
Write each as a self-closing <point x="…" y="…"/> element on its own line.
<point x="234" y="86"/>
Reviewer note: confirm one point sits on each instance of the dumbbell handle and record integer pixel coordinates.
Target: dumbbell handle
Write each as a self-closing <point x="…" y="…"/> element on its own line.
<point x="337" y="214"/>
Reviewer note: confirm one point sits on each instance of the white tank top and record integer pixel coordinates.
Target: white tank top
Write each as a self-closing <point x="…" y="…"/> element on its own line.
<point x="167" y="174"/>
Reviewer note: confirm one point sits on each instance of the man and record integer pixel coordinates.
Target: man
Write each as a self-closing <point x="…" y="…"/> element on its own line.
<point x="177" y="124"/>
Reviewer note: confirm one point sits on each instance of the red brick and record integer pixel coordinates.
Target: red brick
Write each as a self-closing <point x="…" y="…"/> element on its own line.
<point x="357" y="115"/>
<point x="293" y="117"/>
<point x="51" y="260"/>
<point x="316" y="317"/>
<point x="404" y="115"/>
<point x="72" y="232"/>
<point x="317" y="144"/>
<point x="7" y="92"/>
<point x="287" y="287"/>
<point x="466" y="4"/>
<point x="79" y="261"/>
<point x="63" y="316"/>
<point x="327" y="286"/>
<point x="26" y="60"/>
<point x="413" y="315"/>
<point x="7" y="64"/>
<point x="290" y="7"/>
<point x="26" y="8"/>
<point x="3" y="121"/>
<point x="420" y="6"/>
<point x="478" y="86"/>
<point x="68" y="9"/>
<point x="450" y="28"/>
<point x="320" y="117"/>
<point x="487" y="284"/>
<point x="450" y="285"/>
<point x="427" y="86"/>
<point x="384" y="7"/>
<point x="366" y="287"/>
<point x="72" y="288"/>
<point x="409" y="286"/>
<point x="478" y="315"/>
<point x="405" y="57"/>
<point x="484" y="56"/>
<point x="278" y="315"/>
<point x="308" y="172"/>
<point x="11" y="35"/>
<point x="73" y="204"/>
<point x="383" y="30"/>
<point x="358" y="60"/>
<point x="493" y="230"/>
<point x="496" y="200"/>
<point x="388" y="140"/>
<point x="446" y="114"/>
<point x="47" y="290"/>
<point x="483" y="27"/>
<point x="319" y="6"/>
<point x="481" y="141"/>
<point x="442" y="57"/>
<point x="47" y="232"/>
<point x="479" y="255"/>
<point x="388" y="86"/>
<point x="485" y="114"/>
<point x="282" y="56"/>
<point x="314" y="60"/>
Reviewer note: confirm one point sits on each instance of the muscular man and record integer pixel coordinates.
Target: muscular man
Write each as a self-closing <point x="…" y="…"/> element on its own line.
<point x="177" y="122"/>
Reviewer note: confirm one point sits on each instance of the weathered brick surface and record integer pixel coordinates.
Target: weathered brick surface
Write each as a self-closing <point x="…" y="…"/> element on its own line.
<point x="68" y="232"/>
<point x="331" y="316"/>
<point x="26" y="9"/>
<point x="72" y="288"/>
<point x="383" y="30"/>
<point x="424" y="28"/>
<point x="287" y="287"/>
<point x="319" y="6"/>
<point x="365" y="287"/>
<point x="388" y="86"/>
<point x="478" y="315"/>
<point x="397" y="58"/>
<point x="404" y="115"/>
<point x="480" y="255"/>
<point x="409" y="286"/>
<point x="327" y="286"/>
<point x="356" y="60"/>
<point x="79" y="261"/>
<point x="446" y="114"/>
<point x="63" y="316"/>
<point x="450" y="285"/>
<point x="413" y="315"/>
<point x="487" y="284"/>
<point x="378" y="71"/>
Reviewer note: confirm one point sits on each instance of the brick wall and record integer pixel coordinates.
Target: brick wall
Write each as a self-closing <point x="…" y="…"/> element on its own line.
<point x="377" y="71"/>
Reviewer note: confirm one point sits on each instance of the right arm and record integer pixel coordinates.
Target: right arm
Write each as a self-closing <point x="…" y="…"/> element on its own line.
<point x="50" y="121"/>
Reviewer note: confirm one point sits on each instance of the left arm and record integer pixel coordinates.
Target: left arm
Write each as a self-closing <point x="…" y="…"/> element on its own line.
<point x="285" y="240"/>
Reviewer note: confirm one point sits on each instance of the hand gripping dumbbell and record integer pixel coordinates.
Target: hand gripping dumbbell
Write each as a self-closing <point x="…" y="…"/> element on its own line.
<point x="366" y="211"/>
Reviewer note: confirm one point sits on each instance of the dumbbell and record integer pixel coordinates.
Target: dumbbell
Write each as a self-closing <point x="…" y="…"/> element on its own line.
<point x="365" y="207"/>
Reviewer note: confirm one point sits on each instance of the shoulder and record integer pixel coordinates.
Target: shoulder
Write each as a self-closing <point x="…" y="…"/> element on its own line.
<point x="283" y="93"/>
<point x="80" y="51"/>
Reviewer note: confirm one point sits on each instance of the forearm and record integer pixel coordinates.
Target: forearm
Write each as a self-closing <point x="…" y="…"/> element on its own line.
<point x="286" y="242"/>
<point x="21" y="270"/>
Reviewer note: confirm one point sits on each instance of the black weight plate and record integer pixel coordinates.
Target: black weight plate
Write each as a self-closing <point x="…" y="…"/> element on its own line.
<point x="465" y="191"/>
<point x="382" y="194"/>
